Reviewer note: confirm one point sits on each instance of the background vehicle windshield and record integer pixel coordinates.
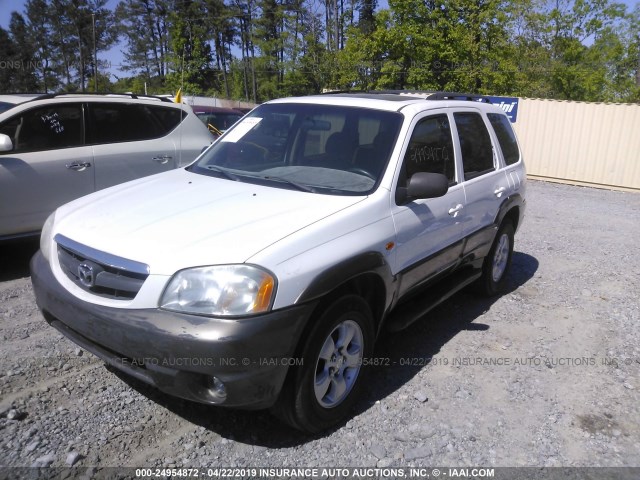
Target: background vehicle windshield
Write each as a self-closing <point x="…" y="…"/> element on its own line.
<point x="219" y="121"/>
<point x="318" y="148"/>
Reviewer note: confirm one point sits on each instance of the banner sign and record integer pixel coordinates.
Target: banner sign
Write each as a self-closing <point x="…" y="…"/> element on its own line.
<point x="508" y="104"/>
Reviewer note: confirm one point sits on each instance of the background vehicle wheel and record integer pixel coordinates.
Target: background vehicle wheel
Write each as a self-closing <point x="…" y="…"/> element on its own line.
<point x="496" y="265"/>
<point x="322" y="391"/>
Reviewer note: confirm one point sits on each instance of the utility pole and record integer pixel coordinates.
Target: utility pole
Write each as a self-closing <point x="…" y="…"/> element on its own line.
<point x="95" y="55"/>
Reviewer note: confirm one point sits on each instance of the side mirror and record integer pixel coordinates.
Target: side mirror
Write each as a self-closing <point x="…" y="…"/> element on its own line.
<point x="6" y="145"/>
<point x="427" y="185"/>
<point x="423" y="185"/>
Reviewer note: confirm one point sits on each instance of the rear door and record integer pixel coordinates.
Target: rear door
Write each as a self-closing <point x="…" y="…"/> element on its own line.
<point x="48" y="166"/>
<point x="514" y="167"/>
<point x="130" y="140"/>
<point x="484" y="180"/>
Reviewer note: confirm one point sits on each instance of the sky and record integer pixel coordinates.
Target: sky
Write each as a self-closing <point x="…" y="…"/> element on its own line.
<point x="114" y="56"/>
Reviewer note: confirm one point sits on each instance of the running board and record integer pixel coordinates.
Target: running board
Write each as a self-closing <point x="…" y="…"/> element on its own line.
<point x="405" y="314"/>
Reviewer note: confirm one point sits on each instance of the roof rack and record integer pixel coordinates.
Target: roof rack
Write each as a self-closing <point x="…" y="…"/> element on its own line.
<point x="459" y="96"/>
<point x="134" y="96"/>
<point x="437" y="95"/>
<point x="334" y="92"/>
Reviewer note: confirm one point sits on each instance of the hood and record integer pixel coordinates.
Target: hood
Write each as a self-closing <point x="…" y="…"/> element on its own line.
<point x="179" y="219"/>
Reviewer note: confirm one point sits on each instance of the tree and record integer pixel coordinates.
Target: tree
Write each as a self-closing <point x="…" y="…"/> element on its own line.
<point x="7" y="51"/>
<point x="145" y="26"/>
<point x="23" y="60"/>
<point x="367" y="22"/>
<point x="190" y="57"/>
<point x="261" y="49"/>
<point x="244" y="13"/>
<point x="220" y="20"/>
<point x="39" y="27"/>
<point x="72" y="24"/>
<point x="308" y="63"/>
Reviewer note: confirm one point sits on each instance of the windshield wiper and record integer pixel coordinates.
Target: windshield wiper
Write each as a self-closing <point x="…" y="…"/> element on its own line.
<point x="299" y="186"/>
<point x="224" y="172"/>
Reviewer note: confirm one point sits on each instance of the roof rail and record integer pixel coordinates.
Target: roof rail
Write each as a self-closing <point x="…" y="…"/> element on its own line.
<point x="458" y="96"/>
<point x="334" y="92"/>
<point x="426" y="94"/>
<point x="438" y="95"/>
<point x="134" y="96"/>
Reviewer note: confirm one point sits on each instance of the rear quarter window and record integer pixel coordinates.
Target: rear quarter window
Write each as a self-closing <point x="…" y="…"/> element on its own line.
<point x="506" y="137"/>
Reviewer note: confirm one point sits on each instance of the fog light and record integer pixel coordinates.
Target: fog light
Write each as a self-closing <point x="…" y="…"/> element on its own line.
<point x="217" y="390"/>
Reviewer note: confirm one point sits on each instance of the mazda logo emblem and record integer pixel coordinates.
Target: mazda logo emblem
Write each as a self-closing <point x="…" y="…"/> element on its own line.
<point x="86" y="275"/>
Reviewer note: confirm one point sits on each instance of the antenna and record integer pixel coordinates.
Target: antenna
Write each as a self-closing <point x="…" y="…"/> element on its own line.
<point x="179" y="99"/>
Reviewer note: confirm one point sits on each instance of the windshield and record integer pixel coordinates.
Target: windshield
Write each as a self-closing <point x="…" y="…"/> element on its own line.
<point x="316" y="148"/>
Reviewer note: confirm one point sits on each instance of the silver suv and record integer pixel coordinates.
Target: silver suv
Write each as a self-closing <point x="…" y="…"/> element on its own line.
<point x="261" y="275"/>
<point x="56" y="148"/>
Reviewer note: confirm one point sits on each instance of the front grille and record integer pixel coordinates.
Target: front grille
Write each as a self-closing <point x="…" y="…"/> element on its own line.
<point x="100" y="273"/>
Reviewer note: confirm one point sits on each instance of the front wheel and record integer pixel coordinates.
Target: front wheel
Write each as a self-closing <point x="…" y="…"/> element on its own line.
<point x="324" y="389"/>
<point x="497" y="263"/>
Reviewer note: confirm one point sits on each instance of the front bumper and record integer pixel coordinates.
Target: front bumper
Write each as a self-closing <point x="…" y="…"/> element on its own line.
<point x="178" y="353"/>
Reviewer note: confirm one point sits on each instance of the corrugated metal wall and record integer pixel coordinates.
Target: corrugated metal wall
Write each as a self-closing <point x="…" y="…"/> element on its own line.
<point x="582" y="143"/>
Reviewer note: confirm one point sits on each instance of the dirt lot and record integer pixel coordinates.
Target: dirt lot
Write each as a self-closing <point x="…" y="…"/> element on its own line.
<point x="546" y="375"/>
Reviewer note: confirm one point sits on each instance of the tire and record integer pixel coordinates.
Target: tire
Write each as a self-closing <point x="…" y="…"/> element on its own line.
<point x="497" y="263"/>
<point x="322" y="391"/>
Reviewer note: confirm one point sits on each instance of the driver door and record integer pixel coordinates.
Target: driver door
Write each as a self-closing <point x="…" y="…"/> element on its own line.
<point x="429" y="231"/>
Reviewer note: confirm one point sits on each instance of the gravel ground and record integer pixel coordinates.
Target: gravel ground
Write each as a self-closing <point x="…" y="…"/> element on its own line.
<point x="546" y="375"/>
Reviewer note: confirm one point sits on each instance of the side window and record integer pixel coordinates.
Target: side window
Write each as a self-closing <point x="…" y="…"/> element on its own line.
<point x="122" y="122"/>
<point x="475" y="144"/>
<point x="431" y="148"/>
<point x="48" y="128"/>
<point x="169" y="118"/>
<point x="506" y="137"/>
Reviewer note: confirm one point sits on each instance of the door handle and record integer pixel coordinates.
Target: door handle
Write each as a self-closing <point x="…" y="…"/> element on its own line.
<point x="455" y="210"/>
<point x="163" y="159"/>
<point x="78" y="167"/>
<point x="499" y="191"/>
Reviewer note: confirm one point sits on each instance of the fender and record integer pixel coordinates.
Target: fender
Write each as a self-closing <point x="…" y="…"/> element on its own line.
<point x="477" y="244"/>
<point x="510" y="202"/>
<point x="349" y="269"/>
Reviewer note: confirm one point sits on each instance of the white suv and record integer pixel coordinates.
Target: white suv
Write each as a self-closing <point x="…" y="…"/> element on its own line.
<point x="58" y="147"/>
<point x="261" y="275"/>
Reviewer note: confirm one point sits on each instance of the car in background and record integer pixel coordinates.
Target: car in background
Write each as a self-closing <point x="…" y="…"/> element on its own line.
<point x="243" y="110"/>
<point x="217" y="119"/>
<point x="58" y="147"/>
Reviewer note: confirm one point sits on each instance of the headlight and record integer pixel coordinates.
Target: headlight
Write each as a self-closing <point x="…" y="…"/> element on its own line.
<point x="223" y="290"/>
<point x="45" y="236"/>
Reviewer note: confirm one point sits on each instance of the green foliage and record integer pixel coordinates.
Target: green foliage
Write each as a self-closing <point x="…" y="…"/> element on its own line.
<point x="261" y="49"/>
<point x="190" y="56"/>
<point x="144" y="25"/>
<point x="17" y="56"/>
